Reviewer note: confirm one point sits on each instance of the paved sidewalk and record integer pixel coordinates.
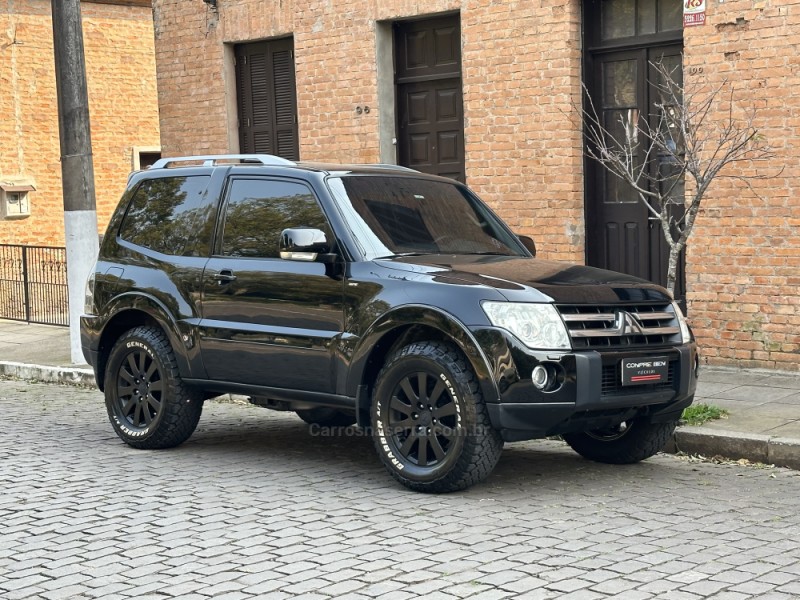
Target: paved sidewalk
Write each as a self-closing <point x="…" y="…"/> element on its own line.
<point x="764" y="406"/>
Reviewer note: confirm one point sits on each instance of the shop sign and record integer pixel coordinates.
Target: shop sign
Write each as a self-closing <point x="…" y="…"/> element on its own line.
<point x="694" y="12"/>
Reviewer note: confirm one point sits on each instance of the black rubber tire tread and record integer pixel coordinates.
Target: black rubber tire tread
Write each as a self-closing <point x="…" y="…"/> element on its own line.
<point x="326" y="417"/>
<point x="642" y="441"/>
<point x="482" y="446"/>
<point x="182" y="405"/>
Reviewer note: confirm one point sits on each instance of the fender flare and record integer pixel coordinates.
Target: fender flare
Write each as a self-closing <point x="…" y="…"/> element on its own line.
<point x="154" y="308"/>
<point x="409" y="315"/>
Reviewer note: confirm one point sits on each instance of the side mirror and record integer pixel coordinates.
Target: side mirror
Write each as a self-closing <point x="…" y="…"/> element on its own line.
<point x="528" y="242"/>
<point x="303" y="243"/>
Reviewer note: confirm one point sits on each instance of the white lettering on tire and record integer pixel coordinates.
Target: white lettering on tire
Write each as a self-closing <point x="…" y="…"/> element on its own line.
<point x="384" y="442"/>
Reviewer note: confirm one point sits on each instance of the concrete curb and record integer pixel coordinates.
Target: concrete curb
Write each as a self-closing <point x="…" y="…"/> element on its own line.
<point x="733" y="445"/>
<point x="76" y="376"/>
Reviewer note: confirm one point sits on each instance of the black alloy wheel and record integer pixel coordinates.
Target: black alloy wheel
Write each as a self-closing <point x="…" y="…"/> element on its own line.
<point x="610" y="434"/>
<point x="148" y="403"/>
<point x="140" y="389"/>
<point x="430" y="425"/>
<point x="625" y="443"/>
<point x="423" y="420"/>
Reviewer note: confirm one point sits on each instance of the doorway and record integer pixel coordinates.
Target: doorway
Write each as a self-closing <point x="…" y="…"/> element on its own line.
<point x="267" y="98"/>
<point x="624" y="38"/>
<point x="430" y="111"/>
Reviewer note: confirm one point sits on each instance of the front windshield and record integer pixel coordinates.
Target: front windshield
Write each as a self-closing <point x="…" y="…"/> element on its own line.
<point x="392" y="216"/>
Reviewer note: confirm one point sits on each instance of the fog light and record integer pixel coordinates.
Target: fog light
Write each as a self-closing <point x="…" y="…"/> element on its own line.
<point x="541" y="377"/>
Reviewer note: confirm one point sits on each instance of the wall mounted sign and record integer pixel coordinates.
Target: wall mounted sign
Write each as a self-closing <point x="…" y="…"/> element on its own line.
<point x="694" y="12"/>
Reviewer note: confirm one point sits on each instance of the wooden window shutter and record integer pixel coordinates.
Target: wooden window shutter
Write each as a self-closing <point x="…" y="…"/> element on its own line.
<point x="266" y="87"/>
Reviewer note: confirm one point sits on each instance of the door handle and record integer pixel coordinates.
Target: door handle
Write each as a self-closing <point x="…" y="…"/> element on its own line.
<point x="225" y="276"/>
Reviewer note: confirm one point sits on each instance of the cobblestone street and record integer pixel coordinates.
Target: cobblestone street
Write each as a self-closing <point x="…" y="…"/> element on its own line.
<point x="254" y="506"/>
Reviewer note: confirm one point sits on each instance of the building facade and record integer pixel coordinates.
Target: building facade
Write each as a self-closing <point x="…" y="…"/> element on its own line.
<point x="123" y="105"/>
<point x="487" y="91"/>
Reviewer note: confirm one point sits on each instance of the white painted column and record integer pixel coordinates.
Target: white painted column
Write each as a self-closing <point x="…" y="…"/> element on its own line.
<point x="80" y="229"/>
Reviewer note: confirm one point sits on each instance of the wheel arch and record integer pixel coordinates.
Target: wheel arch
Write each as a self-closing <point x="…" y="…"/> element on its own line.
<point x="403" y="326"/>
<point x="134" y="312"/>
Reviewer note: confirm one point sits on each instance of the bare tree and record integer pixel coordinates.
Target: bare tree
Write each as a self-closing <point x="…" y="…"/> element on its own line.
<point x="671" y="158"/>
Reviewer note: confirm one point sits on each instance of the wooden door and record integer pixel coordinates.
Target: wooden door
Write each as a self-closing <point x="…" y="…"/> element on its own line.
<point x="622" y="235"/>
<point x="429" y="98"/>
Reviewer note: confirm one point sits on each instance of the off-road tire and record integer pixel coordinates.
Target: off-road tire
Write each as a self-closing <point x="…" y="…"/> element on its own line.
<point x="640" y="440"/>
<point x="450" y="412"/>
<point x="148" y="403"/>
<point x="326" y="417"/>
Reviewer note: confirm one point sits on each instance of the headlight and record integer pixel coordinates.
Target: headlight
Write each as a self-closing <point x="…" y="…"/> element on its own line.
<point x="686" y="335"/>
<point x="537" y="325"/>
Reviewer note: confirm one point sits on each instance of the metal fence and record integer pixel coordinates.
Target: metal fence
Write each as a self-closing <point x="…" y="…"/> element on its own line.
<point x="33" y="284"/>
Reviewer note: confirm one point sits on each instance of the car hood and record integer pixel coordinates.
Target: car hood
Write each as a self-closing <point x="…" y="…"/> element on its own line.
<point x="522" y="279"/>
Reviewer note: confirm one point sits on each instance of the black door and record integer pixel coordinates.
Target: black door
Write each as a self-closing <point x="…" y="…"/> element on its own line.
<point x="267" y="98"/>
<point x="624" y="38"/>
<point x="429" y="98"/>
<point x="268" y="321"/>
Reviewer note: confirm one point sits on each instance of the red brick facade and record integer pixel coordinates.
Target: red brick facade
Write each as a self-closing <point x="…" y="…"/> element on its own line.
<point x="120" y="65"/>
<point x="743" y="265"/>
<point x="521" y="78"/>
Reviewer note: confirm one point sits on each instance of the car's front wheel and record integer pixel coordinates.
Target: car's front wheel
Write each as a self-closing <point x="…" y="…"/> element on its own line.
<point x="625" y="443"/>
<point x="429" y="422"/>
<point x="148" y="403"/>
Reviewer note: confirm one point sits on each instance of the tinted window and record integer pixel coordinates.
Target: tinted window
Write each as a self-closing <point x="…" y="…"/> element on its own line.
<point x="258" y="210"/>
<point x="398" y="215"/>
<point x="170" y="215"/>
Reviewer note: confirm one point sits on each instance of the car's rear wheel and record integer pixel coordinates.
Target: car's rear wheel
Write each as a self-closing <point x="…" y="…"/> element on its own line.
<point x="625" y="443"/>
<point x="326" y="417"/>
<point x="429" y="422"/>
<point x="148" y="403"/>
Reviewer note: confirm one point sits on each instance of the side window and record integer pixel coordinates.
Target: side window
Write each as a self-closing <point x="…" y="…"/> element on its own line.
<point x="171" y="215"/>
<point x="258" y="210"/>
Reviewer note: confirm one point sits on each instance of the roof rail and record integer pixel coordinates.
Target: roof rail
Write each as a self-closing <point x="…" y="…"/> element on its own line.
<point x="214" y="159"/>
<point x="389" y="166"/>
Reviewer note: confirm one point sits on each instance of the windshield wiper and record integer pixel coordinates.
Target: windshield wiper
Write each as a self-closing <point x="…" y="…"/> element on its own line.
<point x="401" y="254"/>
<point x="482" y="253"/>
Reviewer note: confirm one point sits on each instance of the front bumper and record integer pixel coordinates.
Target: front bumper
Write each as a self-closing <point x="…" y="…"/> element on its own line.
<point x="590" y="394"/>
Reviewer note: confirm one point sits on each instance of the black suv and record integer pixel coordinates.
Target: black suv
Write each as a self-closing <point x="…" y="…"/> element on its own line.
<point x="374" y="295"/>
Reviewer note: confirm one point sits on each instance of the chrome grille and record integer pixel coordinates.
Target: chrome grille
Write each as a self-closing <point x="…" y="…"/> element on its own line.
<point x="620" y="325"/>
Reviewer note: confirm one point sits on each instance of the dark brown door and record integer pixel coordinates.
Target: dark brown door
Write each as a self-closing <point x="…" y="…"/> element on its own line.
<point x="429" y="99"/>
<point x="267" y="98"/>
<point x="626" y="37"/>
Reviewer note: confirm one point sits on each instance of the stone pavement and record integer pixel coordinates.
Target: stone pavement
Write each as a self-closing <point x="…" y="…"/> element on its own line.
<point x="763" y="424"/>
<point x="256" y="506"/>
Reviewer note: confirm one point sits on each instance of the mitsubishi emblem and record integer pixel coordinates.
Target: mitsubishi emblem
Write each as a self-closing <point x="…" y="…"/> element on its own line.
<point x="626" y="324"/>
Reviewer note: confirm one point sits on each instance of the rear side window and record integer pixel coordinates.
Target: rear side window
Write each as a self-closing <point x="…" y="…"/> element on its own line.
<point x="172" y="215"/>
<point x="258" y="210"/>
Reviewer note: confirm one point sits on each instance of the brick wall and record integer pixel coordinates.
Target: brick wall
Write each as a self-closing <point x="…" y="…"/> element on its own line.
<point x="120" y="65"/>
<point x="521" y="78"/>
<point x="743" y="272"/>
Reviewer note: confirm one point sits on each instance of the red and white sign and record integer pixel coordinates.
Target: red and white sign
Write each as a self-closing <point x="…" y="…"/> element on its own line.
<point x="694" y="12"/>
